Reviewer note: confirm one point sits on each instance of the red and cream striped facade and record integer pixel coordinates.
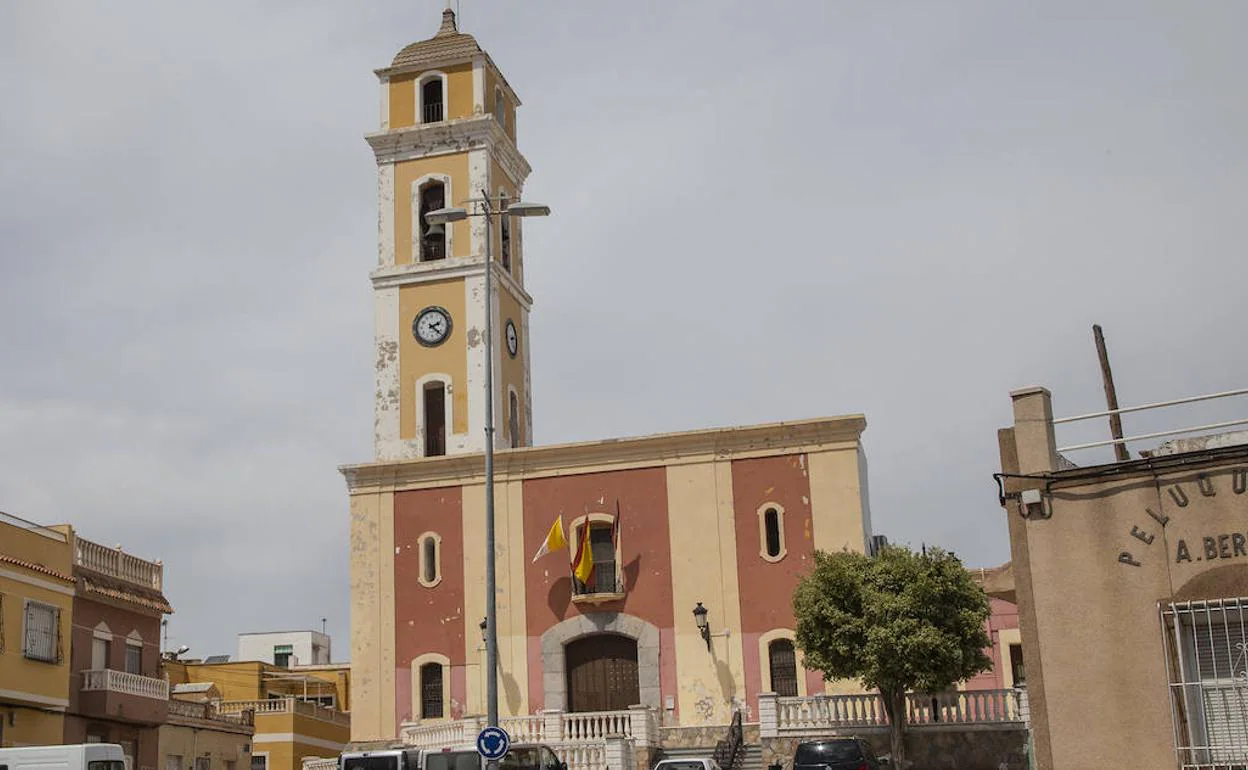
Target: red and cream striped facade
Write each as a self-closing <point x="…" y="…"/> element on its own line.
<point x="691" y="511"/>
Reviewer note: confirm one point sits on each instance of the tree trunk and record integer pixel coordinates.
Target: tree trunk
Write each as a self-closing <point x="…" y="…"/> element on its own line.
<point x="895" y="706"/>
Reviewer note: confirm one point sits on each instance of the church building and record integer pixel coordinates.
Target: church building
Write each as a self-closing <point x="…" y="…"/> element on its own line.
<point x="696" y="539"/>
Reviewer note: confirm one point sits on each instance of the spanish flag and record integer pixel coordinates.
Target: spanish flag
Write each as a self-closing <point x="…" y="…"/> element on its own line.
<point x="583" y="564"/>
<point x="554" y="539"/>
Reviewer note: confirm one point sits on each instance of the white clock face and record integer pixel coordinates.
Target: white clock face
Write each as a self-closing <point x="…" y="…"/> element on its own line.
<point x="513" y="339"/>
<point x="431" y="326"/>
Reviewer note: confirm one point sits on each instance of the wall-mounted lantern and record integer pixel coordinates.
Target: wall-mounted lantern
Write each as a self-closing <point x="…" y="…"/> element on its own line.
<point x="704" y="626"/>
<point x="484" y="625"/>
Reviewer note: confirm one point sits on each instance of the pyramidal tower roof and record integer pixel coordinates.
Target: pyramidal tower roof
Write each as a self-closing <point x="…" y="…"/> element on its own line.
<point x="448" y="43"/>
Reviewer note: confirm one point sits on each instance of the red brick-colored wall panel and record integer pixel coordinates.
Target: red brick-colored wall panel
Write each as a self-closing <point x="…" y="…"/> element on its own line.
<point x="766" y="588"/>
<point x="428" y="619"/>
<point x="644" y="544"/>
<point x="121" y="623"/>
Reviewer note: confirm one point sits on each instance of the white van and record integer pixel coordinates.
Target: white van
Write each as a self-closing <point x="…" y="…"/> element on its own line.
<point x="82" y="756"/>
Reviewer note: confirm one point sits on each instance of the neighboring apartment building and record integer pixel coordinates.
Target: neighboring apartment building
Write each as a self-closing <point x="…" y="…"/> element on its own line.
<point x="197" y="736"/>
<point x="117" y="693"/>
<point x="297" y="710"/>
<point x="79" y="642"/>
<point x="285" y="648"/>
<point x="1132" y="580"/>
<point x="36" y="614"/>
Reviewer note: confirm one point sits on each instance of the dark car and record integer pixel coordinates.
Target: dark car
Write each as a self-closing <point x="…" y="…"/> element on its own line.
<point x="836" y="754"/>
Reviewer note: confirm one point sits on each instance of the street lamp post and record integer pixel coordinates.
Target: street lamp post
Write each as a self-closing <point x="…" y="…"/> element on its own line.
<point x="444" y="217"/>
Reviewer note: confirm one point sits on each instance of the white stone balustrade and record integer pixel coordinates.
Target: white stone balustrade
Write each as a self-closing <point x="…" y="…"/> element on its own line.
<point x="793" y="716"/>
<point x="596" y="725"/>
<point x="107" y="680"/>
<point x="594" y="740"/>
<point x="117" y="563"/>
<point x="285" y="706"/>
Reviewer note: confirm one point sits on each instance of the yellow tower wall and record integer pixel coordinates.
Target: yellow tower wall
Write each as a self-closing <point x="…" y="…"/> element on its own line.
<point x="451" y="357"/>
<point x="406" y="174"/>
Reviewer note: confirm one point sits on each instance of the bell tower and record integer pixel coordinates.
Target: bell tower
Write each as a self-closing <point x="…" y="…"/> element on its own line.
<point x="448" y="136"/>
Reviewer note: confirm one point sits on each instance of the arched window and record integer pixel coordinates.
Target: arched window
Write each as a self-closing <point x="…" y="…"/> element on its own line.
<point x="429" y="560"/>
<point x="434" y="395"/>
<point x="431" y="706"/>
<point x="504" y="224"/>
<point x="432" y="237"/>
<point x="430" y="553"/>
<point x="771" y="523"/>
<point x="782" y="659"/>
<point x="771" y="532"/>
<point x="433" y="109"/>
<point x="513" y="418"/>
<point x="500" y="108"/>
<point x="604" y="578"/>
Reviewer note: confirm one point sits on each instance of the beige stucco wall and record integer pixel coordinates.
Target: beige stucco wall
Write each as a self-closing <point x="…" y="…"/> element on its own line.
<point x="1091" y="588"/>
<point x="708" y="684"/>
<point x="187" y="742"/>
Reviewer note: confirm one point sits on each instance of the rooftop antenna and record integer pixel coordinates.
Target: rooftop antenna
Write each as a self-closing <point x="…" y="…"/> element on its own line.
<point x="322" y="625"/>
<point x="1111" y="396"/>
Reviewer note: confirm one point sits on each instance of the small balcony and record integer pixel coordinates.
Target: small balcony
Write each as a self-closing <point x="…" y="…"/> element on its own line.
<point x="116" y="563"/>
<point x="606" y="584"/>
<point x="123" y="696"/>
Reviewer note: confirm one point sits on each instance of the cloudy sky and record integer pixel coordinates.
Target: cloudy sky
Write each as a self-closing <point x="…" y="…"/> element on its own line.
<point x="762" y="211"/>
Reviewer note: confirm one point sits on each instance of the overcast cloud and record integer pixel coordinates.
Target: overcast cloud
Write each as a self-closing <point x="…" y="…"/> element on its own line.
<point x="762" y="211"/>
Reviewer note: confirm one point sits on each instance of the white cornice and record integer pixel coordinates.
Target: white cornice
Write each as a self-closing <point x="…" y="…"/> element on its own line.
<point x="820" y="434"/>
<point x="445" y="269"/>
<point x="461" y="135"/>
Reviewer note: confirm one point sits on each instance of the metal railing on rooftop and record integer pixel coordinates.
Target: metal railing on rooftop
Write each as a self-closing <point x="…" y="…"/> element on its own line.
<point x="1155" y="434"/>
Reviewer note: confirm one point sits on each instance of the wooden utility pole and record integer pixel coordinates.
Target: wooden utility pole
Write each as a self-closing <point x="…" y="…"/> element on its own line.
<point x="1111" y="395"/>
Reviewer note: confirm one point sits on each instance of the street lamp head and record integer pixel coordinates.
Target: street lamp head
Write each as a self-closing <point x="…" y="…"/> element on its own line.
<point x="704" y="626"/>
<point x="699" y="616"/>
<point x="525" y="209"/>
<point x="443" y="216"/>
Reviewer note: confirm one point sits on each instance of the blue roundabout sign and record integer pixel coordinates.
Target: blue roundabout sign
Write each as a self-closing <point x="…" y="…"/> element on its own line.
<point x="493" y="742"/>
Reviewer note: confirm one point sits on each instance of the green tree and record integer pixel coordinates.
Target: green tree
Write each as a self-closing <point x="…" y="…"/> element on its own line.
<point x="899" y="622"/>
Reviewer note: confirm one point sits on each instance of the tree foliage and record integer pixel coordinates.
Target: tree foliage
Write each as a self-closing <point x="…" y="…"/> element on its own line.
<point x="899" y="622"/>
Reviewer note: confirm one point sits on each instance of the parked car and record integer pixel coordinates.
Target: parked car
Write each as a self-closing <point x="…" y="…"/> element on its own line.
<point x="687" y="763"/>
<point x="837" y="754"/>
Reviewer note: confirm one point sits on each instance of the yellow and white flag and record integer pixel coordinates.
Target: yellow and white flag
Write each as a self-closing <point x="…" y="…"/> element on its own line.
<point x="554" y="539"/>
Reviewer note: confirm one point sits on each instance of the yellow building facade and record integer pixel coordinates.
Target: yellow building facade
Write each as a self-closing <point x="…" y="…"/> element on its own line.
<point x="36" y="608"/>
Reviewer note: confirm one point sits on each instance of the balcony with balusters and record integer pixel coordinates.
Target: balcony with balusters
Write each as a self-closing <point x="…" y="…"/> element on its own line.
<point x="123" y="696"/>
<point x="116" y="563"/>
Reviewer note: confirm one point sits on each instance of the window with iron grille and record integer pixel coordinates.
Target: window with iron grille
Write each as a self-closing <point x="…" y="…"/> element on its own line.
<point x="783" y="660"/>
<point x="203" y="763"/>
<point x="431" y="691"/>
<point x="1206" y="645"/>
<point x="42" y="633"/>
<point x="605" y="578"/>
<point x="431" y="99"/>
